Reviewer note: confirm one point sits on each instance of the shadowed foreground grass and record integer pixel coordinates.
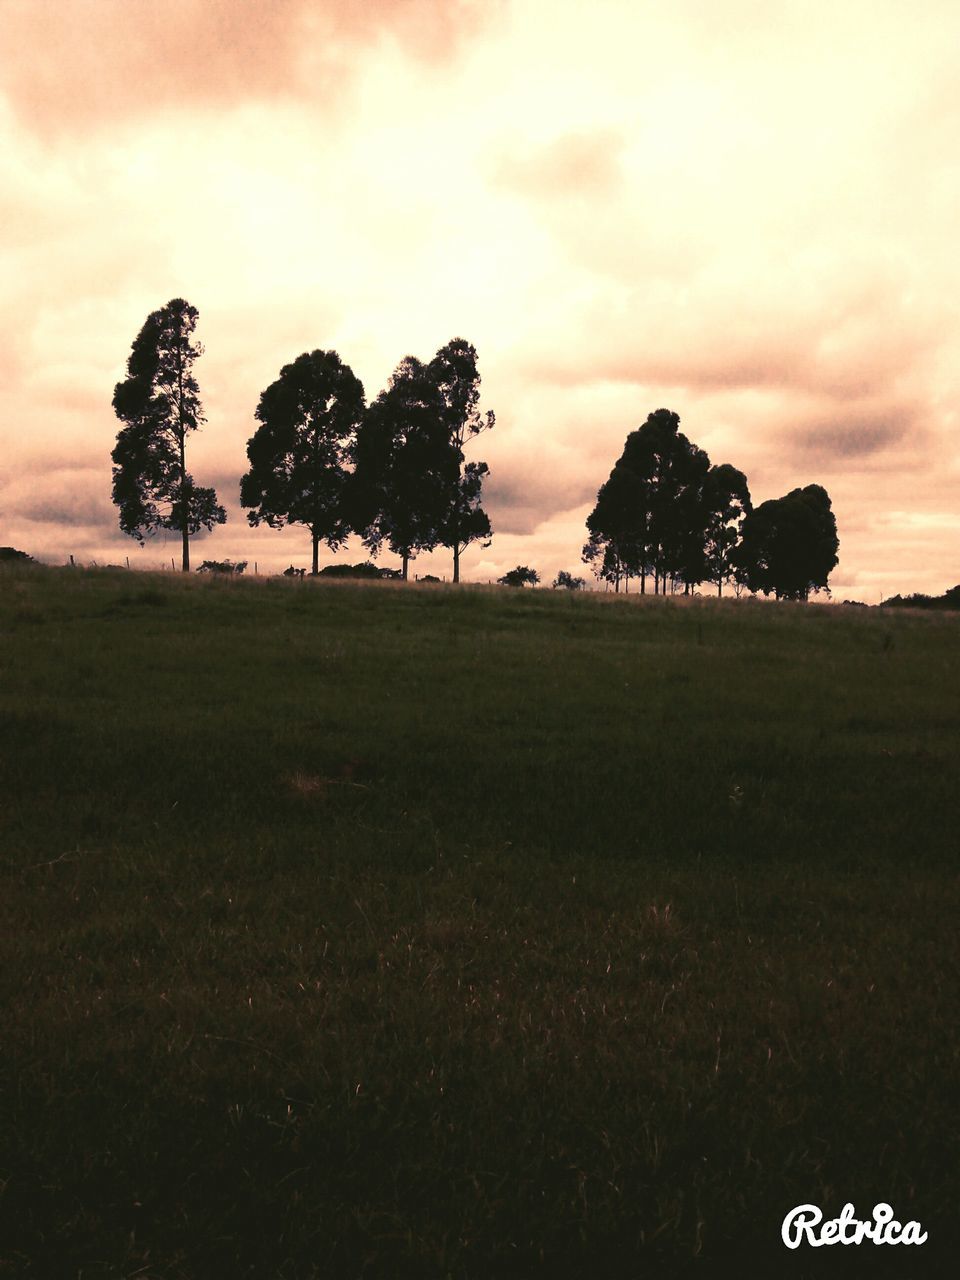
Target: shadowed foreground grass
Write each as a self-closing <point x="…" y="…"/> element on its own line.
<point x="370" y="931"/>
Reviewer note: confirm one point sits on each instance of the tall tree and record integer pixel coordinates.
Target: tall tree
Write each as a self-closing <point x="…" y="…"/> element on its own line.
<point x="616" y="548"/>
<point x="298" y="455"/>
<point x="681" y="516"/>
<point x="648" y="515"/>
<point x="726" y="502"/>
<point x="457" y="380"/>
<point x="789" y="545"/>
<point x="399" y="489"/>
<point x="159" y="401"/>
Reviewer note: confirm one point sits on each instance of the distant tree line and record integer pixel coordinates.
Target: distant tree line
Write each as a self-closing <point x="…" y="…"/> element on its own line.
<point x="393" y="472"/>
<point x="949" y="600"/>
<point x="667" y="517"/>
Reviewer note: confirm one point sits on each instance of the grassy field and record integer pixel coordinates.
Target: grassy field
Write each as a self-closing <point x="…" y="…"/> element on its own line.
<point x="392" y="932"/>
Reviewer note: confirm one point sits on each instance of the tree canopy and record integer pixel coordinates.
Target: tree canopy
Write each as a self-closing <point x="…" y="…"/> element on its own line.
<point x="726" y="502"/>
<point x="159" y="401"/>
<point x="789" y="545"/>
<point x="666" y="511"/>
<point x="649" y="516"/>
<point x="457" y="380"/>
<point x="10" y="555"/>
<point x="521" y="576"/>
<point x="298" y="455"/>
<point x="399" y="490"/>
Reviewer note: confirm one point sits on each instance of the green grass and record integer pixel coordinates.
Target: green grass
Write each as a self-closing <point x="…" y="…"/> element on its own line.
<point x="367" y="930"/>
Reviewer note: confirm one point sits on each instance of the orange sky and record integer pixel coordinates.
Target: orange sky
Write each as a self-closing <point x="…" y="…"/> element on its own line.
<point x="743" y="210"/>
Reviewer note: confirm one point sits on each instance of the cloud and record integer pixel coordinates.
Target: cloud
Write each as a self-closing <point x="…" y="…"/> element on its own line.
<point x="532" y="483"/>
<point x="698" y="205"/>
<point x="568" y="167"/>
<point x="76" y="497"/>
<point x="845" y="334"/>
<point x="857" y="433"/>
<point x="82" y="64"/>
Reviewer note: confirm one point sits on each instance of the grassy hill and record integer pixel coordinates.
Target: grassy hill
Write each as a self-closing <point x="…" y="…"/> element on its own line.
<point x="393" y="931"/>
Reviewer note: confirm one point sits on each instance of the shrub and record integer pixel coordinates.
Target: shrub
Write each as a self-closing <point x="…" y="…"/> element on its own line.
<point x="520" y="577"/>
<point x="222" y="566"/>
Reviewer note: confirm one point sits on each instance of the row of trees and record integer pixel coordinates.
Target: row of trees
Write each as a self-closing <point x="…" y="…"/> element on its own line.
<point x="665" y="514"/>
<point x="393" y="472"/>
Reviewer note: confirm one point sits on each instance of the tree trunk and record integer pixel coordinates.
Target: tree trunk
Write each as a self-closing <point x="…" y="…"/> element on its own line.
<point x="184" y="513"/>
<point x="643" y="581"/>
<point x="316" y="552"/>
<point x="406" y="561"/>
<point x="456" y="563"/>
<point x="719" y="587"/>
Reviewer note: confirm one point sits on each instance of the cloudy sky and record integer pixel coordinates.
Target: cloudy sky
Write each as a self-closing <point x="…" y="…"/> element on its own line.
<point x="742" y="210"/>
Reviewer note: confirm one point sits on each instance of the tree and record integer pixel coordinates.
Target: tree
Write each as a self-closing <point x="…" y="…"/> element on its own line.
<point x="726" y="502"/>
<point x="681" y="517"/>
<point x="789" y="545"/>
<point x="10" y="555"/>
<point x="457" y="381"/>
<point x="649" y="516"/>
<point x="672" y="471"/>
<point x="521" y="576"/>
<point x="399" y="490"/>
<point x="223" y="566"/>
<point x="298" y="455"/>
<point x="617" y="526"/>
<point x="364" y="570"/>
<point x="159" y="401"/>
<point x="566" y="581"/>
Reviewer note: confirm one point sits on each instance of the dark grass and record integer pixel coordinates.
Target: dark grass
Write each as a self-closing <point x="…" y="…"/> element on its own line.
<point x="379" y="931"/>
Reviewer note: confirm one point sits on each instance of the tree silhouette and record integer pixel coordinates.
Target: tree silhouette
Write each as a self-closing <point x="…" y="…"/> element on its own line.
<point x="618" y="526"/>
<point x="726" y="501"/>
<point x="223" y="566"/>
<point x="672" y="471"/>
<point x="10" y="555"/>
<point x="566" y="581"/>
<point x="521" y="576"/>
<point x="298" y="454"/>
<point x="649" y="513"/>
<point x="457" y="380"/>
<point x="789" y="545"/>
<point x="159" y="401"/>
<point x="399" y="490"/>
<point x="681" y="518"/>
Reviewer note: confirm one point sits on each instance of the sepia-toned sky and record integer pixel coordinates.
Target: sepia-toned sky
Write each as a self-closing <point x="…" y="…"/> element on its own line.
<point x="746" y="211"/>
